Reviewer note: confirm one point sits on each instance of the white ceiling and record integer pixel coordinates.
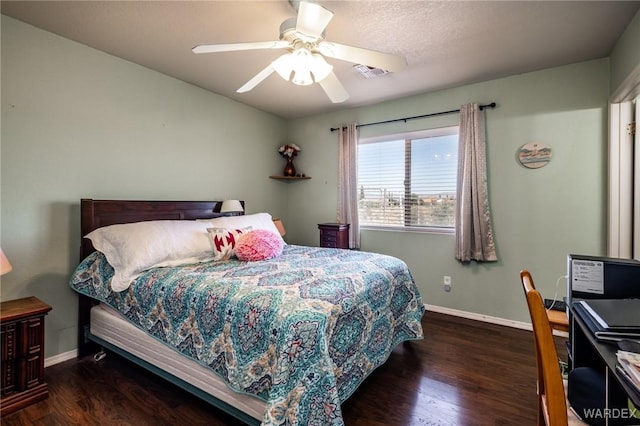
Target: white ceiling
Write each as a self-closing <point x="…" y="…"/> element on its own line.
<point x="446" y="43"/>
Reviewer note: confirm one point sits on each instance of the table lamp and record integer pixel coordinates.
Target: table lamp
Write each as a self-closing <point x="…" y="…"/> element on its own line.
<point x="231" y="206"/>
<point x="280" y="226"/>
<point x="5" y="265"/>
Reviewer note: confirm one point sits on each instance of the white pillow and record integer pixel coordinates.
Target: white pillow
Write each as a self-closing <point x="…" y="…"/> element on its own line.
<point x="255" y="221"/>
<point x="132" y="248"/>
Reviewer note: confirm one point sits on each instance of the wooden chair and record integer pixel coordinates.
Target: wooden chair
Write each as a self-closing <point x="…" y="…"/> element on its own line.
<point x="552" y="403"/>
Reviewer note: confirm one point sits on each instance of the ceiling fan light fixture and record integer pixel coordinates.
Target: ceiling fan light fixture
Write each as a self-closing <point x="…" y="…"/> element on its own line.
<point x="302" y="78"/>
<point x="321" y="69"/>
<point x="284" y="66"/>
<point x="301" y="67"/>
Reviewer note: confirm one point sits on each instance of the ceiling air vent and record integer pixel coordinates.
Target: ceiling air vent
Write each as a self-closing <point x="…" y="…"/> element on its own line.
<point x="369" y="72"/>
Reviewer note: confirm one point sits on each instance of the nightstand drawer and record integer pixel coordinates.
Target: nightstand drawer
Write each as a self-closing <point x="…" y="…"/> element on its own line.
<point x="328" y="237"/>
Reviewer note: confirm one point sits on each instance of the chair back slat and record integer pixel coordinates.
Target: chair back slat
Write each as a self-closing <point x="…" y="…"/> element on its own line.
<point x="552" y="405"/>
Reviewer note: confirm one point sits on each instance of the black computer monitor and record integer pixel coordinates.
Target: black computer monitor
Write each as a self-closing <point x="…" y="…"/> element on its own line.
<point x="597" y="277"/>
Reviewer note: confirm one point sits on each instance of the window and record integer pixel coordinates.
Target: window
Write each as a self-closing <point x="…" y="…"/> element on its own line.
<point x="408" y="180"/>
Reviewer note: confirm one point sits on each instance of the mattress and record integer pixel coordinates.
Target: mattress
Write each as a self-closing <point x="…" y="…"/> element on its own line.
<point x="109" y="325"/>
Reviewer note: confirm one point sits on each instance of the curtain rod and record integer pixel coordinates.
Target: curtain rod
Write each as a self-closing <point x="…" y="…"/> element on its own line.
<point x="491" y="105"/>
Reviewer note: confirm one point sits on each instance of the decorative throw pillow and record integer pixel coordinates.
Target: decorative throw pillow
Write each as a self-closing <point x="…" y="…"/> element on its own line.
<point x="259" y="244"/>
<point x="255" y="221"/>
<point x="224" y="241"/>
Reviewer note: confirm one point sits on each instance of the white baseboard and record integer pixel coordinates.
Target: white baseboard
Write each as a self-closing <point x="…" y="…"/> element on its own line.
<point x="56" y="359"/>
<point x="487" y="318"/>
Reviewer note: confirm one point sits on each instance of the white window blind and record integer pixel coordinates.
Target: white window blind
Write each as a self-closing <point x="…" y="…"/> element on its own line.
<point x="408" y="180"/>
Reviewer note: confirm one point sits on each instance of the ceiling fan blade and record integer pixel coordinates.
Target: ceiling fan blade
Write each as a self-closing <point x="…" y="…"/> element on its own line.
<point x="358" y="55"/>
<point x="333" y="88"/>
<point x="257" y="79"/>
<point x="312" y="19"/>
<point x="230" y="47"/>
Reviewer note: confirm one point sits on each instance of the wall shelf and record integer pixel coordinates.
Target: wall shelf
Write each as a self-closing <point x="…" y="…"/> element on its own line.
<point x="290" y="177"/>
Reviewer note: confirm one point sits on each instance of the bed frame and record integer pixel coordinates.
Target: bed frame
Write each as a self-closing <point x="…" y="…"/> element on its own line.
<point x="98" y="213"/>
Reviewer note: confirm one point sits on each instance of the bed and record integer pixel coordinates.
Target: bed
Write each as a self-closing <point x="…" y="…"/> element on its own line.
<point x="283" y="340"/>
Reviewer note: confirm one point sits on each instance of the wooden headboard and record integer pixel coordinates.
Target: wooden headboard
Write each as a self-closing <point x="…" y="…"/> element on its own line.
<point x="98" y="213"/>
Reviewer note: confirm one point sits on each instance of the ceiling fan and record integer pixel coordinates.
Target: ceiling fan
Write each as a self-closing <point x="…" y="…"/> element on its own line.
<point x="304" y="63"/>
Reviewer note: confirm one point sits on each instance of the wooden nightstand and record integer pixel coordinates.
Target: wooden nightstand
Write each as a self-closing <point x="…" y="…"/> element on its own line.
<point x="22" y="333"/>
<point x="335" y="235"/>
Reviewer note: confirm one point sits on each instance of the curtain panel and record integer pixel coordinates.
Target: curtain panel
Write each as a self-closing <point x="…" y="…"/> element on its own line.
<point x="348" y="182"/>
<point x="474" y="234"/>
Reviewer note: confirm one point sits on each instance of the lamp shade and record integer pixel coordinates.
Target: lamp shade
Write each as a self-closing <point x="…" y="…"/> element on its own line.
<point x="5" y="266"/>
<point x="280" y="226"/>
<point x="231" y="206"/>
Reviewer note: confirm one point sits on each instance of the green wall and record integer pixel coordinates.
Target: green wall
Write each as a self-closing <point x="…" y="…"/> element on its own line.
<point x="78" y="123"/>
<point x="539" y="216"/>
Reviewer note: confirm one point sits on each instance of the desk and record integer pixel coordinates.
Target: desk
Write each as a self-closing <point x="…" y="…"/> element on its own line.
<point x="587" y="351"/>
<point x="558" y="320"/>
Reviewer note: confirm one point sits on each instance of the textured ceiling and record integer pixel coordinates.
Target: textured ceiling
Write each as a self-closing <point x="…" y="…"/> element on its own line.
<point x="446" y="43"/>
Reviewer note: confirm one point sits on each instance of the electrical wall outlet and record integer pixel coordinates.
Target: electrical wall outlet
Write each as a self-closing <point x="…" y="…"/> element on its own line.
<point x="447" y="283"/>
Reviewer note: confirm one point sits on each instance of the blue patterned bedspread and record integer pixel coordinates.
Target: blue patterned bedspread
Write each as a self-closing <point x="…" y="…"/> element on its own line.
<point x="300" y="331"/>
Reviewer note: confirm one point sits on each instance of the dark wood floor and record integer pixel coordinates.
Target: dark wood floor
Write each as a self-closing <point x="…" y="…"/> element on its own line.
<point x="463" y="373"/>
